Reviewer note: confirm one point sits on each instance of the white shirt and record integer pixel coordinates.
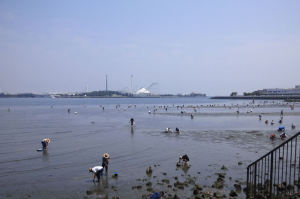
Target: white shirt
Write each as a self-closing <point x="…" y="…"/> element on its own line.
<point x="97" y="168"/>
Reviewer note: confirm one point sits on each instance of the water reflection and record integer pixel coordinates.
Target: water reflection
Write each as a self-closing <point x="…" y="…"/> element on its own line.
<point x="98" y="189"/>
<point x="45" y="155"/>
<point x="132" y="130"/>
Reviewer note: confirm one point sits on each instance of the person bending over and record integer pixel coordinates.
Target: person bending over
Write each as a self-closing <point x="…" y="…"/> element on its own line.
<point x="45" y="143"/>
<point x="184" y="160"/>
<point x="97" y="171"/>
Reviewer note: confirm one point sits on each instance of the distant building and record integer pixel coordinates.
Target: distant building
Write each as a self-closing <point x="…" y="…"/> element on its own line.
<point x="278" y="91"/>
<point x="143" y="91"/>
<point x="194" y="94"/>
<point x="233" y="94"/>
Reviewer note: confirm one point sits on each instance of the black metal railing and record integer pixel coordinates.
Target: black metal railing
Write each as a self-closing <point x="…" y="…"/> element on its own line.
<point x="277" y="173"/>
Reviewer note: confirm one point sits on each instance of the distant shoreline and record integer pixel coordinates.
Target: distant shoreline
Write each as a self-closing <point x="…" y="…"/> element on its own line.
<point x="266" y="97"/>
<point x="14" y="96"/>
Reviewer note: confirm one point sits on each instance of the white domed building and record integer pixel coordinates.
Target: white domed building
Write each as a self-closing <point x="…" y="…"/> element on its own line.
<point x="143" y="92"/>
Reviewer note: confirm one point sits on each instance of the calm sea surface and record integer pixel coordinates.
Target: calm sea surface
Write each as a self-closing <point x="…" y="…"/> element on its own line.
<point x="78" y="142"/>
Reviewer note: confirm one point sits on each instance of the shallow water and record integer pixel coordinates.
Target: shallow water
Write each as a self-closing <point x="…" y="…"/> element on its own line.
<point x="79" y="140"/>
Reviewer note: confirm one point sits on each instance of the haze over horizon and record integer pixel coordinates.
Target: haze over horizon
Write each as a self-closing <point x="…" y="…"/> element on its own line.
<point x="212" y="47"/>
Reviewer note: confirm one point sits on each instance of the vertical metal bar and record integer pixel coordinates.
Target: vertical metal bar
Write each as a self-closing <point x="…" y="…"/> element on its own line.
<point x="261" y="172"/>
<point x="295" y="160"/>
<point x="254" y="181"/>
<point x="257" y="172"/>
<point x="265" y="167"/>
<point x="275" y="168"/>
<point x="278" y="177"/>
<point x="265" y="170"/>
<point x="252" y="185"/>
<point x="247" y="193"/>
<point x="251" y="179"/>
<point x="286" y="166"/>
<point x="271" y="174"/>
<point x="268" y="171"/>
<point x="290" y="176"/>
<point x="282" y="166"/>
<point x="299" y="166"/>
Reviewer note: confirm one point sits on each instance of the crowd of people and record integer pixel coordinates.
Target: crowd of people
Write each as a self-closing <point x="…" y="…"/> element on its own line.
<point x="98" y="170"/>
<point x="281" y="128"/>
<point x="183" y="160"/>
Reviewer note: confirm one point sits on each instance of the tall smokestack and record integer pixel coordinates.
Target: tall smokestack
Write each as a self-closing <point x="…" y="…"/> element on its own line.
<point x="106" y="83"/>
<point x="131" y="76"/>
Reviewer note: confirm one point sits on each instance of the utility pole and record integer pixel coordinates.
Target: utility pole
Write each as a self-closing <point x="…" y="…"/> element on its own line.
<point x="106" y="83"/>
<point x="131" y="76"/>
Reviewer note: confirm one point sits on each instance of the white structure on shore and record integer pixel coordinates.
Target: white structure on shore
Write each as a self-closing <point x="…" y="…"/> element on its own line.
<point x="143" y="91"/>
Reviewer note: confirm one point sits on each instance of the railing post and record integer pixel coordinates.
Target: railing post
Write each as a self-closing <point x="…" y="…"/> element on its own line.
<point x="255" y="180"/>
<point x="247" y="193"/>
<point x="271" y="175"/>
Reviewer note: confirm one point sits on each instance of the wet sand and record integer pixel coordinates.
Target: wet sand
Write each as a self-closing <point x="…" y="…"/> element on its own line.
<point x="79" y="140"/>
<point x="232" y="114"/>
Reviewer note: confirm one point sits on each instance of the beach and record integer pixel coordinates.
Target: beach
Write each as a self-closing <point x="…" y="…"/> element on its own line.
<point x="220" y="142"/>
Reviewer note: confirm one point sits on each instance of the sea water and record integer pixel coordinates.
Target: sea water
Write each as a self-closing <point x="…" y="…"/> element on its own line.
<point x="78" y="141"/>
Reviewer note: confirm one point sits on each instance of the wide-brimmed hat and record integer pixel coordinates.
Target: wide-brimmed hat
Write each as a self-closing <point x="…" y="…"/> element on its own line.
<point x="90" y="169"/>
<point x="106" y="155"/>
<point x="48" y="140"/>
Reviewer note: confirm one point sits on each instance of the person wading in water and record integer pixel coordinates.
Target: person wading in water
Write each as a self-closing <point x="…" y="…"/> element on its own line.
<point x="131" y="121"/>
<point x="105" y="161"/>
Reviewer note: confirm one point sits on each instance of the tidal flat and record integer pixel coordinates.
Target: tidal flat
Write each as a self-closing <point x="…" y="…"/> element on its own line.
<point x="220" y="144"/>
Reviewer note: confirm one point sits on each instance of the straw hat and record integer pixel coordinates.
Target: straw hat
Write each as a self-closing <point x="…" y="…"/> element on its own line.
<point x="48" y="140"/>
<point x="90" y="169"/>
<point x="106" y="155"/>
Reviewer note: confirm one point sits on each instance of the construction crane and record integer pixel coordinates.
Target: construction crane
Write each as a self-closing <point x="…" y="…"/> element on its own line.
<point x="152" y="85"/>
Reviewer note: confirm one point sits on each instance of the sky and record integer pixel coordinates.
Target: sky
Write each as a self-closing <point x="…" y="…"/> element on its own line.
<point x="207" y="46"/>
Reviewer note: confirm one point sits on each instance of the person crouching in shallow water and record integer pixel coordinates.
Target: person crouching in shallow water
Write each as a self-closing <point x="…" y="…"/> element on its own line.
<point x="157" y="195"/>
<point x="177" y="130"/>
<point x="283" y="135"/>
<point x="45" y="143"/>
<point x="105" y="161"/>
<point x="131" y="121"/>
<point x="184" y="161"/>
<point x="168" y="130"/>
<point x="98" y="171"/>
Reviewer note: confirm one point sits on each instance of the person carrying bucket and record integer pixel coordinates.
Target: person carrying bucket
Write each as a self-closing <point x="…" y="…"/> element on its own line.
<point x="45" y="143"/>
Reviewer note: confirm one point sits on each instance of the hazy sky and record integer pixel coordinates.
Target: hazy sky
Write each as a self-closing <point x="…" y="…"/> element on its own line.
<point x="211" y="46"/>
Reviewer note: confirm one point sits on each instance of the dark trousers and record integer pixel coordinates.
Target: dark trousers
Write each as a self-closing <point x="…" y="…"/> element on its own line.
<point x="105" y="166"/>
<point x="44" y="144"/>
<point x="98" y="174"/>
